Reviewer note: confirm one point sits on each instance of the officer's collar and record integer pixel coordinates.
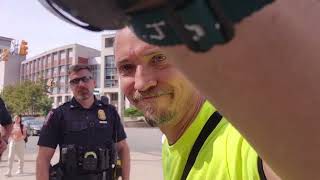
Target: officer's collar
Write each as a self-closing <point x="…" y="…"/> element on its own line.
<point x="75" y="104"/>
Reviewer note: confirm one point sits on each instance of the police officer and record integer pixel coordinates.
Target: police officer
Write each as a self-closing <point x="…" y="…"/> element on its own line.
<point x="6" y="123"/>
<point x="89" y="134"/>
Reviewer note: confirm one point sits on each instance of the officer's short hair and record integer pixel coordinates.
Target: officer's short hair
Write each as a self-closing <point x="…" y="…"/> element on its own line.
<point x="78" y="67"/>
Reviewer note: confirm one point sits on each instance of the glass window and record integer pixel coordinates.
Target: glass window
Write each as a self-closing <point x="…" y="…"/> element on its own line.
<point x="114" y="96"/>
<point x="68" y="98"/>
<point x="55" y="56"/>
<point x="111" y="71"/>
<point x="70" y="53"/>
<point x="63" y="55"/>
<point x="55" y="90"/>
<point x="62" y="70"/>
<point x="108" y="42"/>
<point x="48" y="61"/>
<point x="48" y="74"/>
<point x="109" y="61"/>
<point x="55" y="71"/>
<point x="59" y="99"/>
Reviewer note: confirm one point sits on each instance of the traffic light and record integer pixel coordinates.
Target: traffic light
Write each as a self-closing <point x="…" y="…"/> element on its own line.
<point x="51" y="83"/>
<point x="4" y="56"/>
<point x="23" y="48"/>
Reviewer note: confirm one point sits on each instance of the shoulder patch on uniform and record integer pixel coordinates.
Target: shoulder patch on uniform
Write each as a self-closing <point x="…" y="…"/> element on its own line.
<point x="48" y="117"/>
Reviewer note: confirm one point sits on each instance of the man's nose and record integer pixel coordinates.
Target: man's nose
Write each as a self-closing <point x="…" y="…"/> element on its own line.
<point x="144" y="78"/>
<point x="81" y="83"/>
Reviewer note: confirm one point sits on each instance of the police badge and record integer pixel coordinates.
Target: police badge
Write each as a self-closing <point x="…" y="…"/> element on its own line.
<point x="102" y="116"/>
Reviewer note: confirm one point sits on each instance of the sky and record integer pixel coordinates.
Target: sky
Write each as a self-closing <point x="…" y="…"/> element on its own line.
<point x="28" y="20"/>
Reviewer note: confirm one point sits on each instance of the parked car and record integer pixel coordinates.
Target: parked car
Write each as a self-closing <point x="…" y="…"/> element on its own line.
<point x="27" y="118"/>
<point x="33" y="126"/>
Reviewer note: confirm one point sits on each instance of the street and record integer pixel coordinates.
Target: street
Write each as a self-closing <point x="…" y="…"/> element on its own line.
<point x="145" y="147"/>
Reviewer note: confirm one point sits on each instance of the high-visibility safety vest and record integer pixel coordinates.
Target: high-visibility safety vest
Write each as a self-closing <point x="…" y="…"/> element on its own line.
<point x="225" y="155"/>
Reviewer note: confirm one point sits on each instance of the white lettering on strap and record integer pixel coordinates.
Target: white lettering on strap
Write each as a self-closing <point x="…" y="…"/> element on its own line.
<point x="197" y="29"/>
<point x="157" y="28"/>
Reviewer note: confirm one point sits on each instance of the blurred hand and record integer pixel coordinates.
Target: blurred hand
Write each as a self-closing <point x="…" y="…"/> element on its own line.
<point x="3" y="146"/>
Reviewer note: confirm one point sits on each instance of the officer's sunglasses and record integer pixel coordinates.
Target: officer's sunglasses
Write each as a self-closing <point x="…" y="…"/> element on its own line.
<point x="84" y="79"/>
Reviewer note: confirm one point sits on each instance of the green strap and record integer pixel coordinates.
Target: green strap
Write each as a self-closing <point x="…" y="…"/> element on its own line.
<point x="200" y="24"/>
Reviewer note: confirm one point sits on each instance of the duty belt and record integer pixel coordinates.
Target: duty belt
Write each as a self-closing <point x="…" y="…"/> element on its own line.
<point x="83" y="160"/>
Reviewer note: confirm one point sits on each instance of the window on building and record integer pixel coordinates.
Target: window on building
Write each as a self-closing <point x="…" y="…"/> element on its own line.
<point x="55" y="56"/>
<point x="62" y="81"/>
<point x="63" y="55"/>
<point x="108" y="42"/>
<point x="54" y="90"/>
<point x="59" y="99"/>
<point x="43" y="60"/>
<point x="55" y="59"/>
<point x="48" y="61"/>
<point x="70" y="53"/>
<point x="68" y="98"/>
<point x="114" y="96"/>
<point x="48" y="74"/>
<point x="109" y="61"/>
<point x="62" y="70"/>
<point x="111" y="71"/>
<point x="55" y="71"/>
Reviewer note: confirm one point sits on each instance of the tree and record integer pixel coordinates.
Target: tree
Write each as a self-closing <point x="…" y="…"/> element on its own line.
<point x="132" y="112"/>
<point x="27" y="98"/>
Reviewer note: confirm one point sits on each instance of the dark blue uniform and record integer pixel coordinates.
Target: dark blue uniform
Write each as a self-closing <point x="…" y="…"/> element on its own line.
<point x="70" y="123"/>
<point x="5" y="117"/>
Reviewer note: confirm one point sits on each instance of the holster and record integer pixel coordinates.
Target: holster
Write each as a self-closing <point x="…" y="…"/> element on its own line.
<point x="56" y="172"/>
<point x="78" y="162"/>
<point x="117" y="169"/>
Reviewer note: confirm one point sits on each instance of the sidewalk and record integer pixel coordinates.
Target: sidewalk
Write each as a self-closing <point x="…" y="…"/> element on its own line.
<point x="29" y="167"/>
<point x="143" y="167"/>
<point x="145" y="156"/>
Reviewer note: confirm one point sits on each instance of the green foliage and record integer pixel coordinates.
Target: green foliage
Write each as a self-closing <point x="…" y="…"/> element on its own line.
<point x="27" y="98"/>
<point x="132" y="112"/>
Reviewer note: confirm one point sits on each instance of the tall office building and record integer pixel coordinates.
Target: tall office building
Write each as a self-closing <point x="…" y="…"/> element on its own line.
<point x="52" y="66"/>
<point x="9" y="70"/>
<point x="109" y="75"/>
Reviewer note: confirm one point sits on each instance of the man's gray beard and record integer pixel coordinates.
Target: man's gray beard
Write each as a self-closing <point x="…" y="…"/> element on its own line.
<point x="158" y="118"/>
<point x="81" y="98"/>
<point x="84" y="97"/>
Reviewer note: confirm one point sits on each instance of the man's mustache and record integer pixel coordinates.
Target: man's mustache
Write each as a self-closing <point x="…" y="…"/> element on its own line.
<point x="83" y="90"/>
<point x="138" y="96"/>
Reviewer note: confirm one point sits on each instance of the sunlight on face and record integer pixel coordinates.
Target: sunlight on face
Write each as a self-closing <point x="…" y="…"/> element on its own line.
<point x="83" y="90"/>
<point x="150" y="81"/>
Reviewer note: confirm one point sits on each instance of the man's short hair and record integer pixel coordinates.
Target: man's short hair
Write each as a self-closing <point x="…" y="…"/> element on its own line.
<point x="78" y="67"/>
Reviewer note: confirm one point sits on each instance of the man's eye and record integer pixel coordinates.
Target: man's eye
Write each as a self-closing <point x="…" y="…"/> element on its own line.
<point x="159" y="58"/>
<point x="126" y="69"/>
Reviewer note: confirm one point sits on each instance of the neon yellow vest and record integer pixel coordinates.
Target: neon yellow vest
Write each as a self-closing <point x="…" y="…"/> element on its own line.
<point x="225" y="155"/>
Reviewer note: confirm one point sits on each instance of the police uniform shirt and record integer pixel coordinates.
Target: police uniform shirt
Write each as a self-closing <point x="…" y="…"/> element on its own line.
<point x="5" y="117"/>
<point x="72" y="124"/>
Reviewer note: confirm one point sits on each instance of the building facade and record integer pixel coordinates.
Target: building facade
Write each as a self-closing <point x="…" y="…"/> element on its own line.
<point x="9" y="70"/>
<point x="109" y="75"/>
<point x="52" y="66"/>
